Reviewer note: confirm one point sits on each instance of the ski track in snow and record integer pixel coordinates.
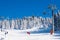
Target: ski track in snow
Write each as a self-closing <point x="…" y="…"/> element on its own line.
<point x="13" y="35"/>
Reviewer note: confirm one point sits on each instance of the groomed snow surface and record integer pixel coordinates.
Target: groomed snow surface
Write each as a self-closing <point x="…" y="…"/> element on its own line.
<point x="16" y="35"/>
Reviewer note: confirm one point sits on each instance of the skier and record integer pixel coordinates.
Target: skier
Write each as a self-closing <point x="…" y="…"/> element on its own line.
<point x="51" y="31"/>
<point x="28" y="33"/>
<point x="6" y="33"/>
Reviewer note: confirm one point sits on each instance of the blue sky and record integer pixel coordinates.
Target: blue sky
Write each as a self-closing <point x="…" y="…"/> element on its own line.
<point x="21" y="8"/>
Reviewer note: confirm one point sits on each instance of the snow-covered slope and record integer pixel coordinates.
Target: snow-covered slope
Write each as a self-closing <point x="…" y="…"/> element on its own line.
<point x="14" y="35"/>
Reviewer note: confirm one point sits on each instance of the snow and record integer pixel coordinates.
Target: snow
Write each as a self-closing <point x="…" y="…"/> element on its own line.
<point x="16" y="35"/>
